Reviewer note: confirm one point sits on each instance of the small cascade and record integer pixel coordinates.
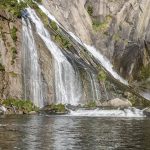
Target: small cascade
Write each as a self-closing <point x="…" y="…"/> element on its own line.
<point x="102" y="60"/>
<point x="130" y="112"/>
<point x="67" y="81"/>
<point x="31" y="68"/>
<point x="95" y="89"/>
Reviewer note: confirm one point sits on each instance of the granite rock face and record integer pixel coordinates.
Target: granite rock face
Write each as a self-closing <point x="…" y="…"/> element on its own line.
<point x="10" y="57"/>
<point x="122" y="34"/>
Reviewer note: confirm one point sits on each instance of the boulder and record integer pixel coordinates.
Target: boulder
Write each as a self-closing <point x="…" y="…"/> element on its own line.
<point x="32" y="112"/>
<point x="3" y="109"/>
<point x="117" y="102"/>
<point x="146" y="111"/>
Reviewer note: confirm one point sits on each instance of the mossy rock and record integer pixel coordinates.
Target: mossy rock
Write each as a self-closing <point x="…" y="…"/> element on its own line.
<point x="13" y="33"/>
<point x="53" y="25"/>
<point x="91" y="104"/>
<point x="25" y="106"/>
<point x="55" y="109"/>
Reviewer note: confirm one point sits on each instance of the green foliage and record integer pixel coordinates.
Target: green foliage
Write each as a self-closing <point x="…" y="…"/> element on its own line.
<point x="62" y="41"/>
<point x="22" y="105"/>
<point x="53" y="25"/>
<point x="2" y="68"/>
<point x="102" y="26"/>
<point x="116" y="37"/>
<point x="60" y="108"/>
<point x="13" y="33"/>
<point x="91" y="104"/>
<point x="41" y="14"/>
<point x="102" y="76"/>
<point x="13" y="7"/>
<point x="90" y="10"/>
<point x="136" y="102"/>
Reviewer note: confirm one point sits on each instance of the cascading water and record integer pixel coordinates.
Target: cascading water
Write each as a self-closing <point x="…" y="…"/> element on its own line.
<point x="31" y="67"/>
<point x="67" y="82"/>
<point x="130" y="112"/>
<point x="95" y="89"/>
<point x="102" y="60"/>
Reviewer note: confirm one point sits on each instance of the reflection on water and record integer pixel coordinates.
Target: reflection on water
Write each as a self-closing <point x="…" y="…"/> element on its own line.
<point x="73" y="133"/>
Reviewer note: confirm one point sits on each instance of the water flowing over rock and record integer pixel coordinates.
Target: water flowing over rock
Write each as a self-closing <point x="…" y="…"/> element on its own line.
<point x="31" y="68"/>
<point x="67" y="81"/>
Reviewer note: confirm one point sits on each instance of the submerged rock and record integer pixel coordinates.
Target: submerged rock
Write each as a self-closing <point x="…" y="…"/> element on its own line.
<point x="117" y="102"/>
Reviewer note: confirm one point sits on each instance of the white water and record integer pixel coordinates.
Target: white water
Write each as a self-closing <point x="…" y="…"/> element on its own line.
<point x="32" y="72"/>
<point x="130" y="112"/>
<point x="102" y="60"/>
<point x="67" y="81"/>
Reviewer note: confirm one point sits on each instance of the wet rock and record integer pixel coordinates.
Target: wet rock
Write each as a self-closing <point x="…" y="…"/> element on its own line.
<point x="147" y="111"/>
<point x="2" y="109"/>
<point x="117" y="103"/>
<point x="32" y="112"/>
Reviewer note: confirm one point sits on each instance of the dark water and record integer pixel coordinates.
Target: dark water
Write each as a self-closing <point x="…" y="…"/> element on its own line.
<point x="73" y="133"/>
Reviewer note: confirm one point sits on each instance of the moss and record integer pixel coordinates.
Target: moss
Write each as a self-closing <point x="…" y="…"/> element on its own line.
<point x="14" y="53"/>
<point x="53" y="25"/>
<point x="2" y="68"/>
<point x="91" y="104"/>
<point x="90" y="10"/>
<point x="102" y="76"/>
<point x="13" y="7"/>
<point x="116" y="37"/>
<point x="145" y="72"/>
<point x="13" y="33"/>
<point x="13" y="74"/>
<point x="41" y="15"/>
<point x="62" y="41"/>
<point x="57" y="108"/>
<point x="138" y="102"/>
<point x="101" y="26"/>
<point x="20" y="105"/>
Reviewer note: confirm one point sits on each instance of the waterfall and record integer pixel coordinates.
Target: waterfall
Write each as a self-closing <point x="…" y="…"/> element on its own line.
<point x="102" y="60"/>
<point x="95" y="89"/>
<point x="31" y="68"/>
<point x="67" y="81"/>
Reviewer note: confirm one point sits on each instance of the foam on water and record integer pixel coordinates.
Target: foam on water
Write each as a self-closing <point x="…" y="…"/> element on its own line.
<point x="130" y="112"/>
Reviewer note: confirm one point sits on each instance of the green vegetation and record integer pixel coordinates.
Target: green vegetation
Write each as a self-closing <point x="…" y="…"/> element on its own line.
<point x="20" y="105"/>
<point x="116" y="37"/>
<point x="41" y="15"/>
<point x="13" y="33"/>
<point x="14" y="53"/>
<point x="90" y="10"/>
<point x="53" y="25"/>
<point x="91" y="104"/>
<point x="136" y="102"/>
<point x="62" y="41"/>
<point x="57" y="108"/>
<point x="102" y="76"/>
<point x="102" y="26"/>
<point x="145" y="72"/>
<point x="13" y="7"/>
<point x="2" y="68"/>
<point x="13" y="74"/>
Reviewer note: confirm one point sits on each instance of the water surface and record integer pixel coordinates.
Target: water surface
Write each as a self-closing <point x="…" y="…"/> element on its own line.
<point x="73" y="133"/>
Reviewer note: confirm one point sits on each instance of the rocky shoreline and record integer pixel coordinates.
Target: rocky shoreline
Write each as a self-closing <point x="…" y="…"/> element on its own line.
<point x="20" y="107"/>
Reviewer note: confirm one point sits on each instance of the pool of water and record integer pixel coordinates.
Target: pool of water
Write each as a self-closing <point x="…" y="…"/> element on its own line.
<point x="41" y="132"/>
